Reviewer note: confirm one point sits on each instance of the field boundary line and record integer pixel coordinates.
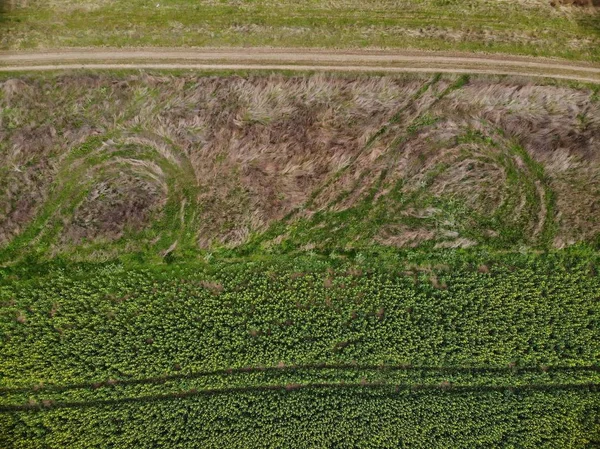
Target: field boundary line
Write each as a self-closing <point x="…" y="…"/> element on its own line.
<point x="296" y="60"/>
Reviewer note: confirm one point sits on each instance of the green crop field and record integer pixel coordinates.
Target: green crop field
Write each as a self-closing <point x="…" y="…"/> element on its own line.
<point x="298" y="260"/>
<point x="438" y="350"/>
<point x="528" y="27"/>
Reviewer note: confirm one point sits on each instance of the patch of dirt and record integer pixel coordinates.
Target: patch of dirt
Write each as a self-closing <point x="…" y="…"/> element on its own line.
<point x="113" y="206"/>
<point x="581" y="3"/>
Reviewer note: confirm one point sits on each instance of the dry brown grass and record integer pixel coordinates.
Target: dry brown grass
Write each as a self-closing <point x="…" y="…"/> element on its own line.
<point x="257" y="147"/>
<point x="113" y="205"/>
<point x="585" y="3"/>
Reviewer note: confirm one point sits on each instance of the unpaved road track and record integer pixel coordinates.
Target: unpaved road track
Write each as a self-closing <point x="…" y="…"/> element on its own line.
<point x="296" y="59"/>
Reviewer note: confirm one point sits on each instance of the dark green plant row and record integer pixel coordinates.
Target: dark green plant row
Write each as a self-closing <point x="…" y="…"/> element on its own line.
<point x="259" y="378"/>
<point x="319" y="417"/>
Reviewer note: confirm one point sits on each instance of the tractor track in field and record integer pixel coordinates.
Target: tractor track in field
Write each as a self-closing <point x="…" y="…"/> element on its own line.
<point x="391" y="388"/>
<point x="309" y="367"/>
<point x="378" y="61"/>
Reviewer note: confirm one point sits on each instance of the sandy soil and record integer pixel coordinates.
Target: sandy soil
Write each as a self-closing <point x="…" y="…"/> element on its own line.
<point x="296" y="59"/>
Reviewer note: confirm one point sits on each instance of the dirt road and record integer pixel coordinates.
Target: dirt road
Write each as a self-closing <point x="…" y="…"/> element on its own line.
<point x="296" y="59"/>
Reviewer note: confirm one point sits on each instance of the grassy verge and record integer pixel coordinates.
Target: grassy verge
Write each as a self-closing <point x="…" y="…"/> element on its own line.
<point x="483" y="25"/>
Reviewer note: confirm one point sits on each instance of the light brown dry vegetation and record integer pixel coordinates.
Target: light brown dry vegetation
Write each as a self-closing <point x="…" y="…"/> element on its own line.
<point x="585" y="3"/>
<point x="110" y="206"/>
<point x="559" y="128"/>
<point x="223" y="158"/>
